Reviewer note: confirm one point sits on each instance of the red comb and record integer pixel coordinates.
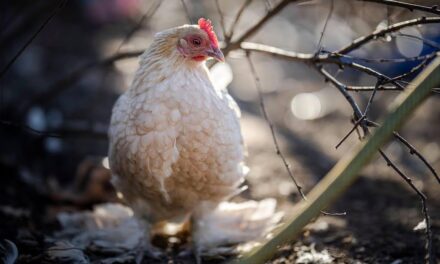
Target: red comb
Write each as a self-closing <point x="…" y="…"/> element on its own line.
<point x="205" y="24"/>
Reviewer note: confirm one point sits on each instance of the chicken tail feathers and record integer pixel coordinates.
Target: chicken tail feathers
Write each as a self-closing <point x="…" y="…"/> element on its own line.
<point x="233" y="223"/>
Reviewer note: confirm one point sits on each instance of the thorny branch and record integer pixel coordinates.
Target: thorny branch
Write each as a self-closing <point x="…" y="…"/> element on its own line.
<point x="365" y="114"/>
<point x="412" y="149"/>
<point x="435" y="9"/>
<point x="271" y="126"/>
<point x="429" y="258"/>
<point x="381" y="33"/>
<point x="274" y="137"/>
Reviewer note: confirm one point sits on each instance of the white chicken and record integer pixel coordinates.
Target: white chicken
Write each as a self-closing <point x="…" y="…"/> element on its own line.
<point x="176" y="149"/>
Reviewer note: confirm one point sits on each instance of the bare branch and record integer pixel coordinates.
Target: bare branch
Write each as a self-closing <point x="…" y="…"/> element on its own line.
<point x="18" y="28"/>
<point x="271" y="127"/>
<point x="186" y="9"/>
<point x="28" y="129"/>
<point x="341" y="87"/>
<point x="382" y="32"/>
<point x="428" y="246"/>
<point x="29" y="41"/>
<point x="427" y="42"/>
<point x="222" y="18"/>
<point x="412" y="149"/>
<point x="325" y="26"/>
<point x="290" y="55"/>
<point x="237" y="18"/>
<point x="391" y="60"/>
<point x="382" y="87"/>
<point x="257" y="26"/>
<point x="371" y="88"/>
<point x="68" y="131"/>
<point x="63" y="84"/>
<point x="369" y="71"/>
<point x="411" y="7"/>
<point x="274" y="138"/>
<point x="413" y="70"/>
<point x="367" y="109"/>
<point x="315" y="58"/>
<point x="356" y="124"/>
<point x="149" y="13"/>
<point x="370" y="100"/>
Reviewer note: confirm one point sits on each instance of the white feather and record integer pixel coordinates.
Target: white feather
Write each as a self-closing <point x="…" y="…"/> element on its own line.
<point x="233" y="223"/>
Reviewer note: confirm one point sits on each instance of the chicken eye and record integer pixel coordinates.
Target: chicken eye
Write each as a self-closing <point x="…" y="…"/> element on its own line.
<point x="196" y="42"/>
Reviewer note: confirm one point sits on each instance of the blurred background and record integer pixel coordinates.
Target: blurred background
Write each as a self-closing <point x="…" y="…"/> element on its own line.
<point x="56" y="101"/>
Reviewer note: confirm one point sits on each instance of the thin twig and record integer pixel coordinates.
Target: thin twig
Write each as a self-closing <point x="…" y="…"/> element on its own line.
<point x="83" y="129"/>
<point x="222" y="18"/>
<point x="63" y="84"/>
<point x="429" y="258"/>
<point x="391" y="60"/>
<point x="341" y="87"/>
<point x="413" y="70"/>
<point x="23" y="48"/>
<point x="412" y="149"/>
<point x="29" y="41"/>
<point x="185" y="8"/>
<point x="356" y="124"/>
<point x="396" y="78"/>
<point x="271" y="127"/>
<point x="382" y="32"/>
<point x="367" y="109"/>
<point x="315" y="58"/>
<point x="325" y="26"/>
<point x="237" y="18"/>
<point x="274" y="138"/>
<point x="427" y="42"/>
<point x="27" y="19"/>
<point x="370" y="100"/>
<point x="371" y="88"/>
<point x="370" y="71"/>
<point x="148" y="14"/>
<point x="29" y="129"/>
<point x="411" y="7"/>
<point x="251" y="31"/>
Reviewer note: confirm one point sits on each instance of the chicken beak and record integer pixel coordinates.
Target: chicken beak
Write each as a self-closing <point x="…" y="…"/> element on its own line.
<point x="216" y="53"/>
